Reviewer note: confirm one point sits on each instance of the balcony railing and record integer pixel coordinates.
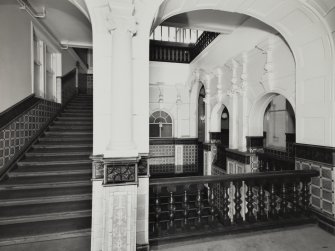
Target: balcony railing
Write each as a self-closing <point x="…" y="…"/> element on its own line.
<point x="179" y="52"/>
<point x="197" y="206"/>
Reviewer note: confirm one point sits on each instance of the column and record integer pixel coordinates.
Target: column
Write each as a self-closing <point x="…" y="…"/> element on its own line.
<point x="233" y="114"/>
<point x="122" y="27"/>
<point x="208" y="108"/>
<point x="242" y="104"/>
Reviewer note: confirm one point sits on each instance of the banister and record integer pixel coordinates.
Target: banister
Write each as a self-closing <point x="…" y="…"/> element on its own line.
<point x="280" y="175"/>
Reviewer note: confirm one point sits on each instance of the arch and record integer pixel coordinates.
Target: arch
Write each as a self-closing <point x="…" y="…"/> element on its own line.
<point x="312" y="47"/>
<point x="256" y="113"/>
<point x="216" y="116"/>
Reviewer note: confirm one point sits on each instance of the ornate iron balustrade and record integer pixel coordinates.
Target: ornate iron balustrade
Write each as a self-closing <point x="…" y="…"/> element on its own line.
<point x="204" y="40"/>
<point x="196" y="206"/>
<point x="179" y="52"/>
<point x="170" y="52"/>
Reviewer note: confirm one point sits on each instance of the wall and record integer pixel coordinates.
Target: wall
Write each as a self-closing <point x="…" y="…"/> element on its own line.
<point x="169" y="91"/>
<point x="16" y="50"/>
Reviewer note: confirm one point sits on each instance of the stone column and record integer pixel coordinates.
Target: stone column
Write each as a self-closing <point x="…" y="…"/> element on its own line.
<point x="208" y="107"/>
<point x="122" y="27"/>
<point x="233" y="113"/>
<point x="242" y="104"/>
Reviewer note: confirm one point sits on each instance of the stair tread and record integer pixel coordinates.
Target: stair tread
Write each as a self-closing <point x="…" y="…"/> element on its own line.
<point x="20" y="173"/>
<point x="50" y="168"/>
<point x="45" y="217"/>
<point x="44" y="200"/>
<point x="37" y="228"/>
<point x="49" y="194"/>
<point x="45" y="237"/>
<point x="55" y="179"/>
<point x="67" y="184"/>
<point x="24" y="192"/>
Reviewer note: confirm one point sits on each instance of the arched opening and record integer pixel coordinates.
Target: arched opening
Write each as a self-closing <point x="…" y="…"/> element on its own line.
<point x="201" y="115"/>
<point x="279" y="121"/>
<point x="225" y="127"/>
<point x="278" y="136"/>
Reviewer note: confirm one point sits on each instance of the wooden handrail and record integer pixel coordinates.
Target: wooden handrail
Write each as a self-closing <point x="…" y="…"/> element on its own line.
<point x="286" y="175"/>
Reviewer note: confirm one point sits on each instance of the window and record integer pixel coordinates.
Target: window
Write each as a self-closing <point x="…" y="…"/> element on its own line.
<point x="160" y="125"/>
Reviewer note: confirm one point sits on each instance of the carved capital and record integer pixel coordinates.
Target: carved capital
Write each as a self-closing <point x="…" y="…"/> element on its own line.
<point x="121" y="24"/>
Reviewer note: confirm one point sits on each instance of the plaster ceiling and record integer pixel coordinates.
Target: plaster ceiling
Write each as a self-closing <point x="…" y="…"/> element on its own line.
<point x="67" y="22"/>
<point x="207" y="20"/>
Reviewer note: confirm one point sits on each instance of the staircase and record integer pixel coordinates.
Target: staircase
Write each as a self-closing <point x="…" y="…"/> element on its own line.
<point x="46" y="202"/>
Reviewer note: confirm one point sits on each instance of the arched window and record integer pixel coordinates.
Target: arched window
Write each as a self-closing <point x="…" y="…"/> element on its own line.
<point x="160" y="125"/>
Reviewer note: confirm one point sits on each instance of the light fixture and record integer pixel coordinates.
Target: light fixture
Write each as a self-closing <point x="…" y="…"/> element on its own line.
<point x="224" y="116"/>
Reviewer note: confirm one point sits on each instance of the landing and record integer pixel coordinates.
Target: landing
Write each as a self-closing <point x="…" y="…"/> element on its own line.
<point x="305" y="238"/>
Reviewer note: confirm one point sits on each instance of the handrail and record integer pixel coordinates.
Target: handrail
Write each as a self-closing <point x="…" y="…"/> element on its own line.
<point x="279" y="175"/>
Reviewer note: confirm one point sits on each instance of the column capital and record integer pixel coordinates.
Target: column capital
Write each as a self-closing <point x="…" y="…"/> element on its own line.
<point x="121" y="23"/>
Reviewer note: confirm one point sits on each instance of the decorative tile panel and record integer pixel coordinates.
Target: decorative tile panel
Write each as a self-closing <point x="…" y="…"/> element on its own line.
<point x="322" y="188"/>
<point x="22" y="130"/>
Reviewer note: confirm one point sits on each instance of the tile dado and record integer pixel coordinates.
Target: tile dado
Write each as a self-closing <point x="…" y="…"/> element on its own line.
<point x="21" y="130"/>
<point x="322" y="188"/>
<point x="173" y="156"/>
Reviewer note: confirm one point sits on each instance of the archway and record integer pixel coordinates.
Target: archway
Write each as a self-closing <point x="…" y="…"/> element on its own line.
<point x="312" y="48"/>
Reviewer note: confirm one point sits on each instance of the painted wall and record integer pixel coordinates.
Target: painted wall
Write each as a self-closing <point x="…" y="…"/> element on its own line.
<point x="15" y="50"/>
<point x="169" y="91"/>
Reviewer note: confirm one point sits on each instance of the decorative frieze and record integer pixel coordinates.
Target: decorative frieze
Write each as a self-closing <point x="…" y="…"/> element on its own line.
<point x="115" y="170"/>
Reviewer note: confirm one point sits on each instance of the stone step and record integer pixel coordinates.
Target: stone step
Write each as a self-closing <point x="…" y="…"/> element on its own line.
<point x="23" y="192"/>
<point x="11" y="214"/>
<point x="40" y="201"/>
<point x="40" y="186"/>
<point x="55" y="224"/>
<point x="44" y="217"/>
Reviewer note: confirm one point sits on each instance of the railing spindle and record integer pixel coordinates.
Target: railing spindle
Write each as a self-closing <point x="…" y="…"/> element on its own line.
<point x="305" y="195"/>
<point x="238" y="202"/>
<point x="284" y="203"/>
<point x="172" y="209"/>
<point x="273" y="203"/>
<point x="158" y="210"/>
<point x="295" y="199"/>
<point x="225" y="219"/>
<point x="211" y="202"/>
<point x="250" y="217"/>
<point x="261" y="203"/>
<point x="186" y="207"/>
<point x="199" y="204"/>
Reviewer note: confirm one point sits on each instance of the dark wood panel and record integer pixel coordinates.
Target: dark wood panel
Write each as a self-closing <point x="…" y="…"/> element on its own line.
<point x="16" y="110"/>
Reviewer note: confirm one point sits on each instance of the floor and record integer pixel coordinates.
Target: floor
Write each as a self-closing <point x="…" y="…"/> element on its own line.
<point x="307" y="238"/>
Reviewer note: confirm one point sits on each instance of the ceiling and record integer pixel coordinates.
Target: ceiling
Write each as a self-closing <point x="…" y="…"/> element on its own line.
<point x="68" y="23"/>
<point x="207" y="20"/>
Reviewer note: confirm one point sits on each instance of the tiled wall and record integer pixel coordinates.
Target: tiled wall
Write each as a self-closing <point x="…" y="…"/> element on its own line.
<point x="163" y="159"/>
<point x="23" y="128"/>
<point x="323" y="187"/>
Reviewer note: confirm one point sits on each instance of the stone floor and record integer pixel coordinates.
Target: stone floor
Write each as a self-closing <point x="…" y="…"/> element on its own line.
<point x="307" y="238"/>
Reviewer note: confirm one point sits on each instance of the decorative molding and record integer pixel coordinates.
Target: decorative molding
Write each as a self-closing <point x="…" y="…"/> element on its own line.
<point x="120" y="171"/>
<point x="322" y="154"/>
